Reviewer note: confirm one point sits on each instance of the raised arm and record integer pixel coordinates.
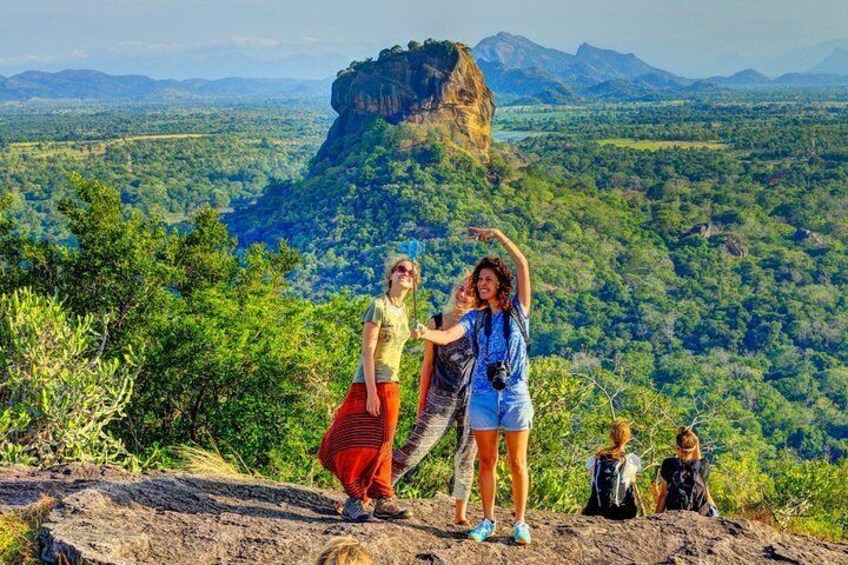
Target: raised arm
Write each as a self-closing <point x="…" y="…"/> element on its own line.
<point x="522" y="266"/>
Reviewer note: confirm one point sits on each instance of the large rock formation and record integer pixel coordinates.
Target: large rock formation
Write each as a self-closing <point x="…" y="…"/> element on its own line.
<point x="437" y="85"/>
<point x="125" y="519"/>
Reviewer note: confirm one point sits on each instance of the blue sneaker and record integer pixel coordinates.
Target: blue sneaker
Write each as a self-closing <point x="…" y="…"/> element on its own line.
<point x="521" y="533"/>
<point x="484" y="530"/>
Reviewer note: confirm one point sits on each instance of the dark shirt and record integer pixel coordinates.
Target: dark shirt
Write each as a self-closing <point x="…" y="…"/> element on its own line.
<point x="452" y="363"/>
<point x="669" y="466"/>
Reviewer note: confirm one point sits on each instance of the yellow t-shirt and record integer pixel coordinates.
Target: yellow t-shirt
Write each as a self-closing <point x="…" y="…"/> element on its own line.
<point x="394" y="332"/>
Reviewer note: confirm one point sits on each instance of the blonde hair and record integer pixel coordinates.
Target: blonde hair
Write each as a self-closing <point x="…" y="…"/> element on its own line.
<point x="344" y="550"/>
<point x="688" y="443"/>
<point x="392" y="264"/>
<point x="619" y="436"/>
<point x="450" y="305"/>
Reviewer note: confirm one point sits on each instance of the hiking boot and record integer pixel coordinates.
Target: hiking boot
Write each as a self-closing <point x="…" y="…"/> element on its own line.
<point x="521" y="533"/>
<point x="390" y="509"/>
<point x="483" y="531"/>
<point x="354" y="511"/>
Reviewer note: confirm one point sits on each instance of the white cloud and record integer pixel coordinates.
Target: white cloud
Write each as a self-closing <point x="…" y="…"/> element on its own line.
<point x="251" y="42"/>
<point x="145" y="48"/>
<point x="33" y="59"/>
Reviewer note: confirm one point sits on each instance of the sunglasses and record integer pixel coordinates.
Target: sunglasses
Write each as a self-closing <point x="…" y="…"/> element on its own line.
<point x="402" y="269"/>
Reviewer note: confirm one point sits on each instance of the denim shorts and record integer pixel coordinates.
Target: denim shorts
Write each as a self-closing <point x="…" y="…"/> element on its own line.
<point x="492" y="410"/>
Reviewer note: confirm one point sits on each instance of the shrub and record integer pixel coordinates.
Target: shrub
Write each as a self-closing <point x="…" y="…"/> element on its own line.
<point x="57" y="393"/>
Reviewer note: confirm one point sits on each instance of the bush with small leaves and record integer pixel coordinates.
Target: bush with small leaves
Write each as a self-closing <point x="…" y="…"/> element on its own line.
<point x="56" y="393"/>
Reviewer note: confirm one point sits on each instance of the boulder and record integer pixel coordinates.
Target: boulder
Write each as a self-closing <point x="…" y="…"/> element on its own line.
<point x="437" y="86"/>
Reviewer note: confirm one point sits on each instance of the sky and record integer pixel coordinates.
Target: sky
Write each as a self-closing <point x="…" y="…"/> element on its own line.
<point x="312" y="38"/>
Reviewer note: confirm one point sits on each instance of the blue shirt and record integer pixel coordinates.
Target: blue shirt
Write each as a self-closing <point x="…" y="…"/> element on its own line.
<point x="498" y="350"/>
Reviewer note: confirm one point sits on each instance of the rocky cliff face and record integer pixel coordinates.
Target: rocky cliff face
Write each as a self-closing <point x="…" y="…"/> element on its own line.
<point x="108" y="516"/>
<point x="437" y="86"/>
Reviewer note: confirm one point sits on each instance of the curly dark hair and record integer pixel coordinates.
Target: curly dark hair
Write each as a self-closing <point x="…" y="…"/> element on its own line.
<point x="504" y="274"/>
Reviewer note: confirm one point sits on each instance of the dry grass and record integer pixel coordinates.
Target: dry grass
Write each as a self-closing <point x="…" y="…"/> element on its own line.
<point x="18" y="531"/>
<point x="655" y="145"/>
<point x="80" y="149"/>
<point x="198" y="461"/>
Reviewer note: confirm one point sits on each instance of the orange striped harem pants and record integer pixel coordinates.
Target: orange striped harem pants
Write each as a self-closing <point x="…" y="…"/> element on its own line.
<point x="358" y="446"/>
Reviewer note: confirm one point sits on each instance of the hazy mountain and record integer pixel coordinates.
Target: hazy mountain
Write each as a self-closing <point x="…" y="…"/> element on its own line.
<point x="525" y="85"/>
<point x="211" y="61"/>
<point x="597" y="64"/>
<point x="95" y="85"/>
<point x="589" y="66"/>
<point x="835" y="64"/>
<point x="809" y="80"/>
<point x="517" y="67"/>
<point x="517" y="52"/>
<point x="748" y="77"/>
<point x="620" y="89"/>
<point x="219" y="63"/>
<point x="794" y="61"/>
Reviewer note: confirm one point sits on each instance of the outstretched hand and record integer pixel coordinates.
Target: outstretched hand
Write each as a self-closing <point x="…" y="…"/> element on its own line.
<point x="483" y="234"/>
<point x="419" y="331"/>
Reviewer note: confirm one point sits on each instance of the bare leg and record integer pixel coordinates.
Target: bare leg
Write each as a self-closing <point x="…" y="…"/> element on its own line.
<point x="487" y="455"/>
<point x="516" y="445"/>
<point x="460" y="518"/>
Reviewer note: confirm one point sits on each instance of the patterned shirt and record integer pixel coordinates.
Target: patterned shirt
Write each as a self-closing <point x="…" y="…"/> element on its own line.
<point x="497" y="349"/>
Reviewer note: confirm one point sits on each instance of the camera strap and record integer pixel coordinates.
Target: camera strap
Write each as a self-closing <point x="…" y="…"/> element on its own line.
<point x="487" y="329"/>
<point x="484" y="322"/>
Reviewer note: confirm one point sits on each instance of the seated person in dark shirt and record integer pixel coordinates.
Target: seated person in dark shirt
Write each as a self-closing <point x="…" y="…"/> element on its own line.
<point x="684" y="478"/>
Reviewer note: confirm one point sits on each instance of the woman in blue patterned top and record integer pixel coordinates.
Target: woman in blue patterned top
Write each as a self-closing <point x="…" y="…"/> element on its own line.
<point x="500" y="397"/>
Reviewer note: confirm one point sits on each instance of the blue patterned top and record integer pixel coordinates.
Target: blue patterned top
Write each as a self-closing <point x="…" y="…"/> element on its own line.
<point x="497" y="350"/>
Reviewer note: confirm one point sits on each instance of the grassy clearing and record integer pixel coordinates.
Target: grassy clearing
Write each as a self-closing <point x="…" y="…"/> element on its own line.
<point x="18" y="531"/>
<point x="656" y="145"/>
<point x="48" y="149"/>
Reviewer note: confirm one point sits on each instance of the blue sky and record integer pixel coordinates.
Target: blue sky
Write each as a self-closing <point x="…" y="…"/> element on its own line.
<point x="204" y="38"/>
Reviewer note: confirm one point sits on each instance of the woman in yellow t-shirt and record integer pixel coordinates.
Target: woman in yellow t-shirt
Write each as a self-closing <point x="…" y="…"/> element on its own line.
<point x="358" y="446"/>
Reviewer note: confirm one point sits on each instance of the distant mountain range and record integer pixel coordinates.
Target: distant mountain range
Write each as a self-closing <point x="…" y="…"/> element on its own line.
<point x="836" y="63"/>
<point x="802" y="60"/>
<point x="519" y="70"/>
<point x="94" y="85"/>
<point x="516" y="69"/>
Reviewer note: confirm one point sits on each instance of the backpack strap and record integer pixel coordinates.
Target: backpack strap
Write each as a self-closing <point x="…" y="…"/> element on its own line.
<point x="438" y="320"/>
<point x="478" y="325"/>
<point x="484" y="322"/>
<point x="595" y="481"/>
<point x="619" y="469"/>
<point x="513" y="313"/>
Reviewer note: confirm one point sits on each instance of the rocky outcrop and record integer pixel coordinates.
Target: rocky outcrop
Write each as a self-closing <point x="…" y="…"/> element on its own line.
<point x="437" y="85"/>
<point x="704" y="230"/>
<point x="128" y="519"/>
<point x="808" y="236"/>
<point x="736" y="248"/>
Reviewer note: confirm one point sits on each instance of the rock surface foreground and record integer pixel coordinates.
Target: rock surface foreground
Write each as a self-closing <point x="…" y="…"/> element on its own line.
<point x="124" y="519"/>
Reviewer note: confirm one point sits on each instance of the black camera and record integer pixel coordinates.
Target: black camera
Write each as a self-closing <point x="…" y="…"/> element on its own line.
<point x="498" y="373"/>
